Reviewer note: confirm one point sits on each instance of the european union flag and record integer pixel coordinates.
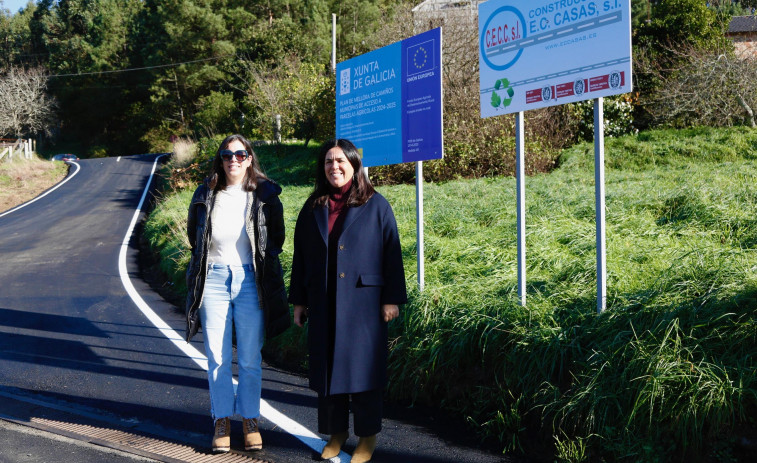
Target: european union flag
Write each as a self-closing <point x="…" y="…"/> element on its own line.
<point x="420" y="57"/>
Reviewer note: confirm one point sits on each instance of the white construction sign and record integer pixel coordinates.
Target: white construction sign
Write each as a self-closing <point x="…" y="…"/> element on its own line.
<point x="537" y="53"/>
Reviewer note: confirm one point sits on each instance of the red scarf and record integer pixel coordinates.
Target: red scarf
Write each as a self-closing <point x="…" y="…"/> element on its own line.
<point x="338" y="202"/>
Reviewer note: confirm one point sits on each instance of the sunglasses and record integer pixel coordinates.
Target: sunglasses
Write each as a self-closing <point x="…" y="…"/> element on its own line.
<point x="239" y="155"/>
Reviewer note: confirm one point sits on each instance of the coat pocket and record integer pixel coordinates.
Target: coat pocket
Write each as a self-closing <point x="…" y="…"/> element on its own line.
<point x="370" y="280"/>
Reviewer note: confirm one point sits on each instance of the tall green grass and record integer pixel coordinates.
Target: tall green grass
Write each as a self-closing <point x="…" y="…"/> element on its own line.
<point x="666" y="373"/>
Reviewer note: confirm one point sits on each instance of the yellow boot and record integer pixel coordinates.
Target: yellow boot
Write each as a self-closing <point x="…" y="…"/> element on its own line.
<point x="252" y="438"/>
<point x="364" y="449"/>
<point x="221" y="438"/>
<point x="334" y="445"/>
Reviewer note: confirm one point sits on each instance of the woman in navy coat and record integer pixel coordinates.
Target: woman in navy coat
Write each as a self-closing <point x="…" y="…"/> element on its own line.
<point x="348" y="281"/>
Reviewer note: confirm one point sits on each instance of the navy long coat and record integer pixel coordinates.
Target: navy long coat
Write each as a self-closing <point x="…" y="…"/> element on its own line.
<point x="369" y="273"/>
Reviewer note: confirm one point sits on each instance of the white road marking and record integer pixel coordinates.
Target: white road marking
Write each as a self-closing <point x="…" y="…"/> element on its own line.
<point x="78" y="167"/>
<point x="282" y="421"/>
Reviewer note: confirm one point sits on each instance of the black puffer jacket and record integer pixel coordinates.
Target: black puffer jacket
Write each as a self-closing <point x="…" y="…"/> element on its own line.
<point x="265" y="227"/>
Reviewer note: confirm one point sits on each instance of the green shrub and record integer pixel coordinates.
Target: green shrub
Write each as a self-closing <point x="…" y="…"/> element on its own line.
<point x="97" y="151"/>
<point x="217" y="113"/>
<point x="618" y="117"/>
<point x="166" y="233"/>
<point x="301" y="93"/>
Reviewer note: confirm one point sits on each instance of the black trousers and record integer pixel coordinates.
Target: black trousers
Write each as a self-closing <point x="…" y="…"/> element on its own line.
<point x="334" y="413"/>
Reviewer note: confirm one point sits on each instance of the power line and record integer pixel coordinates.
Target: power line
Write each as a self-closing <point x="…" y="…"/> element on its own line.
<point x="137" y="69"/>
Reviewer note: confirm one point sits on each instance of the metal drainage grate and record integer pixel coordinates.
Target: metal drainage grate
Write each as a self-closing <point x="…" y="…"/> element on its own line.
<point x="150" y="447"/>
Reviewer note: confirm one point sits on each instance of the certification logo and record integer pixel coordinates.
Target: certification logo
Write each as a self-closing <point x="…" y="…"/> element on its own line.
<point x="615" y="79"/>
<point x="546" y="93"/>
<point x="579" y="87"/>
<point x="420" y="57"/>
<point x="344" y="82"/>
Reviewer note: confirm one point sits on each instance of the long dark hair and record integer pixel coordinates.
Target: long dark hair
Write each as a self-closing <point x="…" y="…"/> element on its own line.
<point x="254" y="171"/>
<point x="361" y="189"/>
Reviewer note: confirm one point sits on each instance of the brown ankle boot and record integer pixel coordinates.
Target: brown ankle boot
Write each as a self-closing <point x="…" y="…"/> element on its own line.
<point x="252" y="438"/>
<point x="334" y="445"/>
<point x="222" y="436"/>
<point x="364" y="449"/>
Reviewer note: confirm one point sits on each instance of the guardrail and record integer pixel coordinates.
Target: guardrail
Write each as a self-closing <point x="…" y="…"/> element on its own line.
<point x="10" y="147"/>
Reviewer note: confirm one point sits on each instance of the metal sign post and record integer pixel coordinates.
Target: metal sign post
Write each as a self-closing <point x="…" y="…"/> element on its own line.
<point x="333" y="43"/>
<point x="599" y="193"/>
<point x="419" y="222"/>
<point x="521" y="205"/>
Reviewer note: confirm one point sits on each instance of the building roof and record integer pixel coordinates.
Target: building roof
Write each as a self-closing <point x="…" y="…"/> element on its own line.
<point x="742" y="24"/>
<point x="436" y="5"/>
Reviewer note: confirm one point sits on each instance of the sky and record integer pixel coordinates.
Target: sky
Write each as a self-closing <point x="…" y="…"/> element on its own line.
<point x="14" y="5"/>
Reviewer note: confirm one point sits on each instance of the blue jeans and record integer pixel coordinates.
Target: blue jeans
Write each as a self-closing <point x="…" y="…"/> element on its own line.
<point x="231" y="295"/>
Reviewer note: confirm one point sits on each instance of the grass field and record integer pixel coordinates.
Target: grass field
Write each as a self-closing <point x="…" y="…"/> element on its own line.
<point x="23" y="179"/>
<point x="666" y="373"/>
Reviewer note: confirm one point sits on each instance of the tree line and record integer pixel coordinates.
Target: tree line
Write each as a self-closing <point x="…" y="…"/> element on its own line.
<point x="129" y="76"/>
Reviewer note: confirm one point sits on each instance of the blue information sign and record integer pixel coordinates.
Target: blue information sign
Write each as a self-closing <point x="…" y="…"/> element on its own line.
<point x="538" y="53"/>
<point x="389" y="101"/>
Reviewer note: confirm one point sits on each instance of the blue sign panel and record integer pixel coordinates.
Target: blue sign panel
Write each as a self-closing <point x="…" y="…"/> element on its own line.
<point x="389" y="101"/>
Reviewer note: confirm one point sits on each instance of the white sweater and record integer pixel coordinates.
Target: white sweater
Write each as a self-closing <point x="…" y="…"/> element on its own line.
<point x="229" y="244"/>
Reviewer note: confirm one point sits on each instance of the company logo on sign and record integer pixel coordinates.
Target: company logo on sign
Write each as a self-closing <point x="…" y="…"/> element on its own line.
<point x="344" y="82"/>
<point x="501" y="37"/>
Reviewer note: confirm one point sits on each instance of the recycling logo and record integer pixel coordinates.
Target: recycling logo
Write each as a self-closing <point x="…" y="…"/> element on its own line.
<point x="502" y="85"/>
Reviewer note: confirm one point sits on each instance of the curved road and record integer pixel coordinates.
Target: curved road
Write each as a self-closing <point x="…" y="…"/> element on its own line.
<point x="71" y="336"/>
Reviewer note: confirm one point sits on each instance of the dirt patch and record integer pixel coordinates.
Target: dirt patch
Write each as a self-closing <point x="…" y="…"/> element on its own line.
<point x="24" y="179"/>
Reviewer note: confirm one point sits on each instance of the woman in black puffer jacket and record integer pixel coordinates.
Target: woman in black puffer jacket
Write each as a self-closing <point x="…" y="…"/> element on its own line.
<point x="235" y="227"/>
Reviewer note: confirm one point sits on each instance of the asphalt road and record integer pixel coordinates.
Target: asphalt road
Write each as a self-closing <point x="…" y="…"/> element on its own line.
<point x="72" y="338"/>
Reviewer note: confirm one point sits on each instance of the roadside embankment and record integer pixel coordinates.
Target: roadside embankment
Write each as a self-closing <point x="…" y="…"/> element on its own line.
<point x="23" y="179"/>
